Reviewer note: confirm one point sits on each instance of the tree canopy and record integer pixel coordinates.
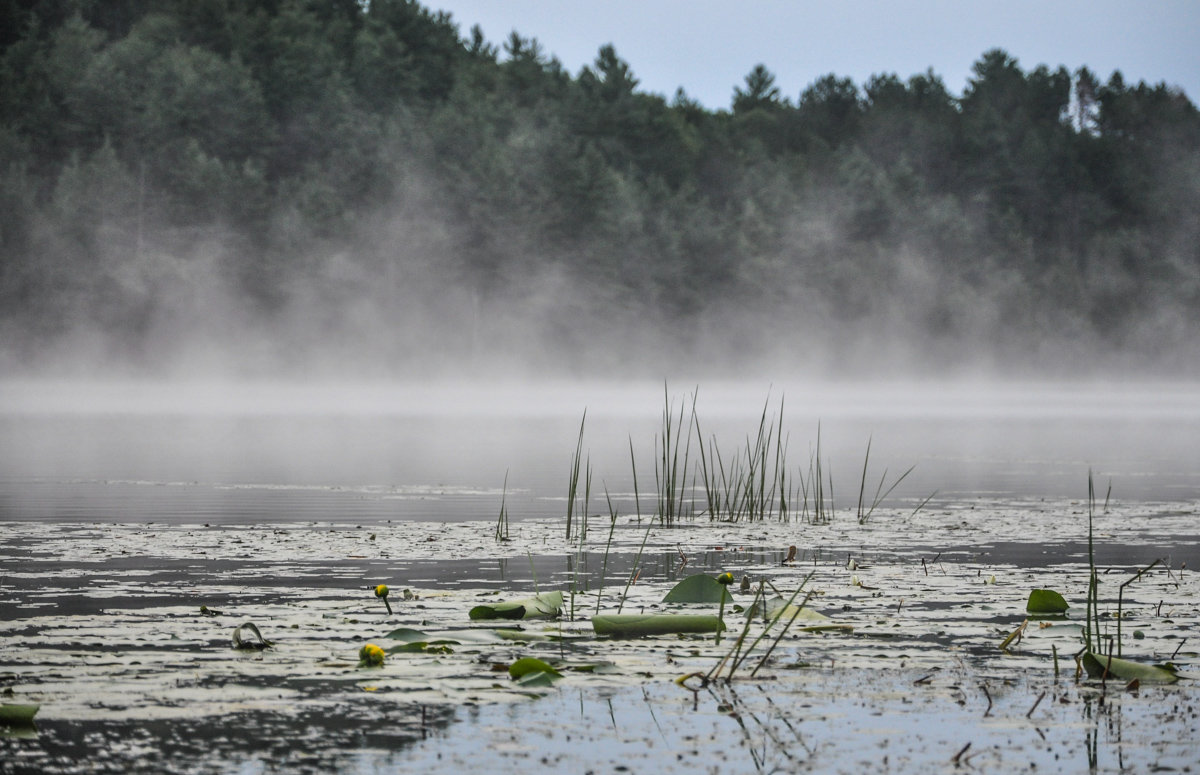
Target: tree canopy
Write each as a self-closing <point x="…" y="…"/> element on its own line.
<point x="343" y="185"/>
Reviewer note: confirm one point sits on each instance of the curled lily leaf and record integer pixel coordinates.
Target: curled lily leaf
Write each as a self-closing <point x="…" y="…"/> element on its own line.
<point x="1046" y="601"/>
<point x="17" y="715"/>
<point x="545" y="605"/>
<point x="700" y="589"/>
<point x="1101" y="666"/>
<point x="242" y="640"/>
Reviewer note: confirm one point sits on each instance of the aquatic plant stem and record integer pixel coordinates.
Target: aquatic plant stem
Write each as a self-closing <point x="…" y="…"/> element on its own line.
<point x="612" y="526"/>
<point x="779" y="637"/>
<point x="716" y="671"/>
<point x="573" y="480"/>
<point x="502" y="520"/>
<point x="645" y="535"/>
<point x="1121" y="600"/>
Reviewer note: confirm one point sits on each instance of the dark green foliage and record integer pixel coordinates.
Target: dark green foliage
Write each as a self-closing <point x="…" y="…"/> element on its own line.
<point x="368" y="169"/>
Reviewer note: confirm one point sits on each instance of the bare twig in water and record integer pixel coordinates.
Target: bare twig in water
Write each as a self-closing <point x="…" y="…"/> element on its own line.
<point x="956" y="757"/>
<point x="1036" y="702"/>
<point x="987" y="694"/>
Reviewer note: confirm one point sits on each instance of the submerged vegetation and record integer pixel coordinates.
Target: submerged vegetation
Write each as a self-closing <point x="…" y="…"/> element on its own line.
<point x="356" y="185"/>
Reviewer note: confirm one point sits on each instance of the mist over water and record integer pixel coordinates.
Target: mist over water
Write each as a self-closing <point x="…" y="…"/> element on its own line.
<point x="296" y="203"/>
<point x="353" y="246"/>
<point x="235" y="451"/>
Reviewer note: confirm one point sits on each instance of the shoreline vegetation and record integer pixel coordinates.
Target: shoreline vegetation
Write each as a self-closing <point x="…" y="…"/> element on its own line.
<point x="292" y="188"/>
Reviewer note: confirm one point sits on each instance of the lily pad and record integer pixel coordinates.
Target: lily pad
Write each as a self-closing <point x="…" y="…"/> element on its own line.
<point x="418" y="641"/>
<point x="777" y="606"/>
<point x="526" y="665"/>
<point x="546" y="605"/>
<point x="17" y="715"/>
<point x="1098" y="665"/>
<point x="698" y="589"/>
<point x="537" y="678"/>
<point x="644" y="625"/>
<point x="1046" y="601"/>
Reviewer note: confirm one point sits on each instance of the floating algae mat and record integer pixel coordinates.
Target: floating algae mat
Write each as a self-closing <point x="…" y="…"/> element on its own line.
<point x="123" y="635"/>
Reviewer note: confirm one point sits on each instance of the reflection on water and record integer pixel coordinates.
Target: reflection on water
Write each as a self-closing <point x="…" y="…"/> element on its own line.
<point x="837" y="721"/>
<point x="267" y="453"/>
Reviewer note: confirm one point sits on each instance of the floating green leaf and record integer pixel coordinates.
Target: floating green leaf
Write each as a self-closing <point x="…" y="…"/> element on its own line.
<point x="546" y="605"/>
<point x="1101" y="666"/>
<point x="409" y="635"/>
<point x="17" y="715"/>
<point x="1046" y="601"/>
<point x="417" y="641"/>
<point x="698" y="589"/>
<point x="643" y="625"/>
<point x="521" y="636"/>
<point x="527" y="665"/>
<point x="537" y="678"/>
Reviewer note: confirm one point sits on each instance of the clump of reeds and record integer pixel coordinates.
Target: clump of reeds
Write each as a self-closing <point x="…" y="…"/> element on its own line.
<point x="815" y="485"/>
<point x="671" y="462"/>
<point x="754" y="485"/>
<point x="864" y="513"/>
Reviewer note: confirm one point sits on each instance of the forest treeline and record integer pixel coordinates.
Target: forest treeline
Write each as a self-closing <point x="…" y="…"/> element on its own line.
<point x="346" y="185"/>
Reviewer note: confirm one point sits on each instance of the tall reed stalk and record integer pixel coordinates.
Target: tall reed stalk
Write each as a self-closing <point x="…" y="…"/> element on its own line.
<point x="573" y="480"/>
<point x="864" y="513"/>
<point x="670" y="470"/>
<point x="502" y="520"/>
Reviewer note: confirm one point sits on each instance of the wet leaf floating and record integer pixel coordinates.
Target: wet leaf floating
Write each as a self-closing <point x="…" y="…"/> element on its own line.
<point x="1101" y="666"/>
<point x="645" y="625"/>
<point x="526" y="665"/>
<point x="777" y="604"/>
<point x="18" y="715"/>
<point x="244" y="642"/>
<point x="416" y="641"/>
<point x="1046" y="601"/>
<point x="538" y="678"/>
<point x="700" y="589"/>
<point x="547" y="605"/>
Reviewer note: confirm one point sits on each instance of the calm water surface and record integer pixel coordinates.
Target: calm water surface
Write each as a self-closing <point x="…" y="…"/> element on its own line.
<point x="270" y="452"/>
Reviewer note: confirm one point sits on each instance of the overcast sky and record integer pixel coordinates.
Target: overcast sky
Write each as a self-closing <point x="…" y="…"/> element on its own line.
<point x="708" y="46"/>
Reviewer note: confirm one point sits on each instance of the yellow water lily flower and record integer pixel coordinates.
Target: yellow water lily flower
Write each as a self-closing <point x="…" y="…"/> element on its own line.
<point x="381" y="590"/>
<point x="725" y="578"/>
<point x="371" y="655"/>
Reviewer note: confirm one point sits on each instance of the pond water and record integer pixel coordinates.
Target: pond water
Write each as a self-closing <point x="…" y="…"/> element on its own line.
<point x="444" y="452"/>
<point x="125" y="508"/>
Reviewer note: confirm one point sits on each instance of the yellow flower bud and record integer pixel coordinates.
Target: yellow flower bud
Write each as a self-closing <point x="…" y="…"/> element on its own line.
<point x="371" y="655"/>
<point x="381" y="590"/>
<point x="725" y="578"/>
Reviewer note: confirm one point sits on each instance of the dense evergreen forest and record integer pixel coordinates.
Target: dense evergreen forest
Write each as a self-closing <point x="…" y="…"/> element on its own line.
<point x="332" y="186"/>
